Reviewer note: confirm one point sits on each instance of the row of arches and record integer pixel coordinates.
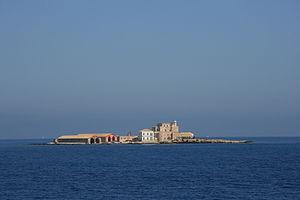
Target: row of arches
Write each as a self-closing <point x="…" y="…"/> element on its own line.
<point x="99" y="140"/>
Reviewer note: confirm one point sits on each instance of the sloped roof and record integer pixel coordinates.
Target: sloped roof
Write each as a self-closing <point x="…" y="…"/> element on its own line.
<point x="85" y="135"/>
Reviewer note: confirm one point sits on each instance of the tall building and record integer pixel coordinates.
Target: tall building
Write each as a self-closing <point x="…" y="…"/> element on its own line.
<point x="166" y="132"/>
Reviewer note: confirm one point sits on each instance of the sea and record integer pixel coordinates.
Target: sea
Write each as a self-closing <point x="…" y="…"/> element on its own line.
<point x="267" y="168"/>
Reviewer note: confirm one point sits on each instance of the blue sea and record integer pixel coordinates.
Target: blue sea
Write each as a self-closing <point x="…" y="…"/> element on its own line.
<point x="268" y="168"/>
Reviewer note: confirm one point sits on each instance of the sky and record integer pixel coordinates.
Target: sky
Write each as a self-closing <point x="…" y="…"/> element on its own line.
<point x="220" y="68"/>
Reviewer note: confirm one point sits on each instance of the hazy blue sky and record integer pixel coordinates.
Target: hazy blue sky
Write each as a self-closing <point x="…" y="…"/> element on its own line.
<point x="220" y="68"/>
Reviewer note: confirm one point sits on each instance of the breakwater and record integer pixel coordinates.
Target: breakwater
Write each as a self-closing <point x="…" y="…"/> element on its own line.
<point x="196" y="140"/>
<point x="206" y="140"/>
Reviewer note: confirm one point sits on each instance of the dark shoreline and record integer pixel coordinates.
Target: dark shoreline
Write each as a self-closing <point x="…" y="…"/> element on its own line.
<point x="186" y="141"/>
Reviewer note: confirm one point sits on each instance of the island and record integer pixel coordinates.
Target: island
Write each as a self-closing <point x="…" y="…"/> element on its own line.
<point x="161" y="133"/>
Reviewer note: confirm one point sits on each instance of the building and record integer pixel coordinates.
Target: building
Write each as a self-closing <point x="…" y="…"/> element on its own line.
<point x="165" y="132"/>
<point x="168" y="132"/>
<point x="183" y="135"/>
<point x="147" y="136"/>
<point x="128" y="138"/>
<point x="88" y="138"/>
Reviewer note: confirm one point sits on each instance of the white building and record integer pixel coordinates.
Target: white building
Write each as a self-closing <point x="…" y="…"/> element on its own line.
<point x="146" y="135"/>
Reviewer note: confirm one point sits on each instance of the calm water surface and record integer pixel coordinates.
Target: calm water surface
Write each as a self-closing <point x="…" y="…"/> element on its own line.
<point x="266" y="169"/>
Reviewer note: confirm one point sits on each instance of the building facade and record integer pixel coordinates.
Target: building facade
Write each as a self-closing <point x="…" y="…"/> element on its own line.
<point x="147" y="135"/>
<point x="183" y="135"/>
<point x="165" y="132"/>
<point x="88" y="138"/>
<point x="128" y="138"/>
<point x="168" y="132"/>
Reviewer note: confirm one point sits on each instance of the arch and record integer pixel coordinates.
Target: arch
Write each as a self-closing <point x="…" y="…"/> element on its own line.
<point x="92" y="140"/>
<point x="109" y="139"/>
<point x="97" y="140"/>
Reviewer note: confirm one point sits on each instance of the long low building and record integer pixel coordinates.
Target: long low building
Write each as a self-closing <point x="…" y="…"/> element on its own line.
<point x="87" y="138"/>
<point x="183" y="135"/>
<point x="128" y="138"/>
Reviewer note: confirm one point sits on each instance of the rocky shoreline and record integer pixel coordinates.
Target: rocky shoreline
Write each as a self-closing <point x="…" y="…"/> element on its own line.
<point x="184" y="141"/>
<point x="198" y="140"/>
<point x="205" y="140"/>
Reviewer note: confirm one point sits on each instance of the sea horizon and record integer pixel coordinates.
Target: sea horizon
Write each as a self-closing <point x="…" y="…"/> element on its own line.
<point x="167" y="100"/>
